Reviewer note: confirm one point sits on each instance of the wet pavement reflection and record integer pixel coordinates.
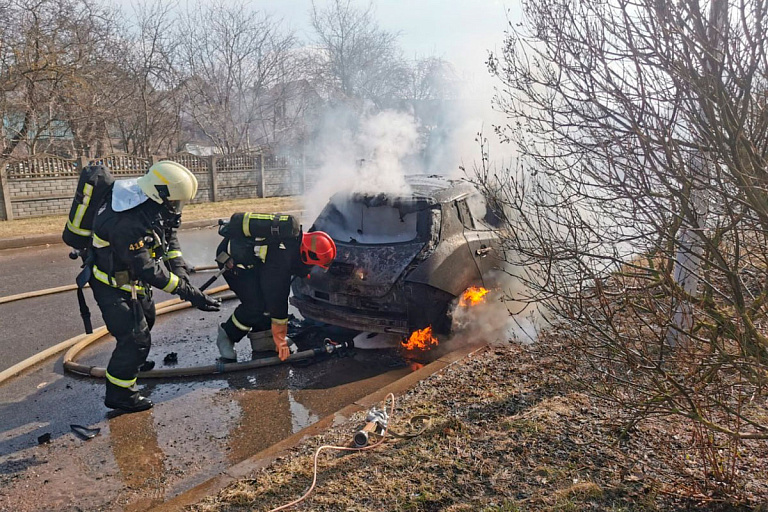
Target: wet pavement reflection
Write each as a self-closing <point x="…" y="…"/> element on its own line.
<point x="198" y="427"/>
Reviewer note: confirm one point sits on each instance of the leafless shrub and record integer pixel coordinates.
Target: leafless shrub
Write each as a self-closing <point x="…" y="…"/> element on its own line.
<point x="642" y="131"/>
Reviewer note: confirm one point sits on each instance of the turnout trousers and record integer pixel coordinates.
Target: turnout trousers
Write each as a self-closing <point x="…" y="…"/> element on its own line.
<point x="130" y="324"/>
<point x="250" y="313"/>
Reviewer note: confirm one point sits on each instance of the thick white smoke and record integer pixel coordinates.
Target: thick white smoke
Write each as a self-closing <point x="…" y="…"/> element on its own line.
<point x="393" y="144"/>
<point x="371" y="154"/>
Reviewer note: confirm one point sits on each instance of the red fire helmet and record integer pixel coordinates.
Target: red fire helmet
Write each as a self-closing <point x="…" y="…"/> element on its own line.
<point x="317" y="248"/>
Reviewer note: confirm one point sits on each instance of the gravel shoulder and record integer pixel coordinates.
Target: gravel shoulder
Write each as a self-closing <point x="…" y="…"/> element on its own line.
<point x="509" y="430"/>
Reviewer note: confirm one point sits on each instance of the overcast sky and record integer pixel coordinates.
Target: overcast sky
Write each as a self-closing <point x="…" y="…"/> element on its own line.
<point x="459" y="31"/>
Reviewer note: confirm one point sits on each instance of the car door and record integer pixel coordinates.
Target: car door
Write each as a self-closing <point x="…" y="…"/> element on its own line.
<point x="481" y="239"/>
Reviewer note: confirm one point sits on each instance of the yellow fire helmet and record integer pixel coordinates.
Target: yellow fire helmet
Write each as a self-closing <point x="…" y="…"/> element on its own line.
<point x="169" y="182"/>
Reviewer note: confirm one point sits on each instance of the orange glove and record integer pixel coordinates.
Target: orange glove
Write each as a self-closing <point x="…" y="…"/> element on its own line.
<point x="279" y="332"/>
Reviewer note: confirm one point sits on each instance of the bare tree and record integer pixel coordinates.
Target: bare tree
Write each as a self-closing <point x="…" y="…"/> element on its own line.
<point x="8" y="79"/>
<point x="54" y="53"/>
<point x="611" y="106"/>
<point x="87" y="96"/>
<point x="288" y="111"/>
<point x="358" y="61"/>
<point x="148" y="115"/>
<point x="433" y="84"/>
<point x="432" y="78"/>
<point x="231" y="58"/>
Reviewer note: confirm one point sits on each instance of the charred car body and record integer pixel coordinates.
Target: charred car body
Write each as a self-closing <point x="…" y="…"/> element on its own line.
<point x="402" y="259"/>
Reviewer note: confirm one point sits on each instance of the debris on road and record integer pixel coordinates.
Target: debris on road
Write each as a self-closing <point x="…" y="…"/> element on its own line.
<point x="85" y="433"/>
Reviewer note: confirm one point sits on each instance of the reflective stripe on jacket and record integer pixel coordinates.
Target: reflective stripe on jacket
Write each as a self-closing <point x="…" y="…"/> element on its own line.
<point x="126" y="242"/>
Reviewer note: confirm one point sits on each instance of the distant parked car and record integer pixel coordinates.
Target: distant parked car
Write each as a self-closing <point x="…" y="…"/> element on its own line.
<point x="402" y="259"/>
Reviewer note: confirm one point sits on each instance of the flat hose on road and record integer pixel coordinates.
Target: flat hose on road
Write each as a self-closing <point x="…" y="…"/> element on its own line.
<point x="192" y="371"/>
<point x="204" y="268"/>
<point x="38" y="293"/>
<point x="83" y="340"/>
<point x="78" y="343"/>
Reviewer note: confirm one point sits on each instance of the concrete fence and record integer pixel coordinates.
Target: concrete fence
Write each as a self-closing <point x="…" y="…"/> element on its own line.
<point x="44" y="184"/>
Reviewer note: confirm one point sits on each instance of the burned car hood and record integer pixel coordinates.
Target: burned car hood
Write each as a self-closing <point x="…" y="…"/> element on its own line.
<point x="366" y="270"/>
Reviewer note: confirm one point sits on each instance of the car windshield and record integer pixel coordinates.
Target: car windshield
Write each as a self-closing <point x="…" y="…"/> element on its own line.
<point x="367" y="222"/>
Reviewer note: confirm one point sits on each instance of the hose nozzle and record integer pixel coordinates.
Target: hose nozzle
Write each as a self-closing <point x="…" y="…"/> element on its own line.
<point x="376" y="422"/>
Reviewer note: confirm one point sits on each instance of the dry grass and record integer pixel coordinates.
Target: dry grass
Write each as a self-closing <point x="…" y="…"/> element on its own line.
<point x="509" y="432"/>
<point x="55" y="223"/>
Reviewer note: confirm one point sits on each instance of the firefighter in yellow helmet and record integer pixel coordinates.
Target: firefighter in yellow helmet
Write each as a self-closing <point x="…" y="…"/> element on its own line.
<point x="136" y="248"/>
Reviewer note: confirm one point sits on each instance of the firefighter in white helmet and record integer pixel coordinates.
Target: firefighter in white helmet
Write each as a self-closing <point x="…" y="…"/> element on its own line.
<point x="136" y="248"/>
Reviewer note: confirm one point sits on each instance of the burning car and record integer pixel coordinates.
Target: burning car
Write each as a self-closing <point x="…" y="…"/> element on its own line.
<point x="402" y="259"/>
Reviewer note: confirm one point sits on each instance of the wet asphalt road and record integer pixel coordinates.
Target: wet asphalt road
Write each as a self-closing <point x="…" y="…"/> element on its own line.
<point x="198" y="427"/>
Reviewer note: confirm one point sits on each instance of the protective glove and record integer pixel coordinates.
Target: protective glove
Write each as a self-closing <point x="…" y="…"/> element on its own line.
<point x="207" y="303"/>
<point x="184" y="278"/>
<point x="181" y="272"/>
<point x="198" y="299"/>
<point x="279" y="332"/>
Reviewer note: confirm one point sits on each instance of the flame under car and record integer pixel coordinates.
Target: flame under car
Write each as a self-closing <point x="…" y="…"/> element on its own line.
<point x="402" y="259"/>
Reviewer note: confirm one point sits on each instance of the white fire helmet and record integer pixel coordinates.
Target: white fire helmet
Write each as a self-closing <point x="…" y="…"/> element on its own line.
<point x="169" y="182"/>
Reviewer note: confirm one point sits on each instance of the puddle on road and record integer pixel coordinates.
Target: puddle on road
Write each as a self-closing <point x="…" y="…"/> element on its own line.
<point x="300" y="415"/>
<point x="197" y="429"/>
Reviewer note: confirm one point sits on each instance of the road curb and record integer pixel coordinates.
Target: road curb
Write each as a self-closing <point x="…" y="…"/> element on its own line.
<point x="55" y="238"/>
<point x="265" y="457"/>
<point x="29" y="241"/>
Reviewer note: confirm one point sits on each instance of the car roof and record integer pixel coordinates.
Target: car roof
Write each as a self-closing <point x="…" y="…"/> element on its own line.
<point x="429" y="190"/>
<point x="438" y="188"/>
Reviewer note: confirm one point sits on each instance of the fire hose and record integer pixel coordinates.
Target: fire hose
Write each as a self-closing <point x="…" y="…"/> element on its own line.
<point x="192" y="371"/>
<point x="204" y="268"/>
<point x="83" y="340"/>
<point x="377" y="421"/>
<point x="78" y="343"/>
<point x="37" y="293"/>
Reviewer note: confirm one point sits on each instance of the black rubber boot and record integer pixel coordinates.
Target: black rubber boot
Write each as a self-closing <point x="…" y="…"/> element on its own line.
<point x="126" y="399"/>
<point x="147" y="366"/>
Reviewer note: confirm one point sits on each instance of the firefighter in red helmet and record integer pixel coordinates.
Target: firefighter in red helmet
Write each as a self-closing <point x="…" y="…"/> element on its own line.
<point x="263" y="253"/>
<point x="317" y="248"/>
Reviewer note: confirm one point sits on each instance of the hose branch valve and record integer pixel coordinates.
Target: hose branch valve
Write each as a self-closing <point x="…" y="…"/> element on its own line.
<point x="332" y="347"/>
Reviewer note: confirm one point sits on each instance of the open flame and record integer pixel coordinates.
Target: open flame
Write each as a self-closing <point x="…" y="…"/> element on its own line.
<point x="423" y="339"/>
<point x="472" y="296"/>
